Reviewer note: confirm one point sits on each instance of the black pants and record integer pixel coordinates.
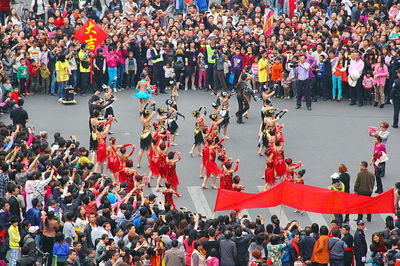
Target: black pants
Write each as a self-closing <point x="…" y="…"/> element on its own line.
<point x="396" y="110"/>
<point x="243" y="106"/>
<point x="219" y="80"/>
<point x="158" y="75"/>
<point x="303" y="88"/>
<point x="47" y="246"/>
<point x="210" y="76"/>
<point x="84" y="82"/>
<point x="130" y="80"/>
<point x="378" y="176"/>
<point x="360" y="216"/>
<point x="356" y="93"/>
<point x="348" y="258"/>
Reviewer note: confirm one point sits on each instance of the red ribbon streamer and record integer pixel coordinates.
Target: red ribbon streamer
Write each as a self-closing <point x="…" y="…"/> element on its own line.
<point x="306" y="198"/>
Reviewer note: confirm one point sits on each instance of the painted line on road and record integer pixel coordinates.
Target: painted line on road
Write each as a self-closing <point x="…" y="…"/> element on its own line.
<point x="200" y="201"/>
<point x="278" y="210"/>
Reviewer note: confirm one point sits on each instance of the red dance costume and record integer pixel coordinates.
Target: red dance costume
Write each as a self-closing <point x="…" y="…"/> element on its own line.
<point x="125" y="177"/>
<point x="290" y="172"/>
<point x="279" y="163"/>
<point x="226" y="182"/>
<point x="171" y="176"/>
<point x="205" y="154"/>
<point x="270" y="173"/>
<point x="101" y="150"/>
<point x="211" y="167"/>
<point x="113" y="162"/>
<point x="168" y="198"/>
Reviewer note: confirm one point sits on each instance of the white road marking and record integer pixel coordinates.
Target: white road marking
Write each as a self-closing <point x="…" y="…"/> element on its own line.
<point x="200" y="201"/>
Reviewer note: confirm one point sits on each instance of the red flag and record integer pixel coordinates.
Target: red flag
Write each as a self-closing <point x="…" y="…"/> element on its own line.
<point x="306" y="198"/>
<point x="268" y="22"/>
<point x="91" y="34"/>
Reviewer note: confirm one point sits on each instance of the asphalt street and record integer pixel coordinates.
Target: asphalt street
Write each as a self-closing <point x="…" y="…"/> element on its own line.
<point x="331" y="134"/>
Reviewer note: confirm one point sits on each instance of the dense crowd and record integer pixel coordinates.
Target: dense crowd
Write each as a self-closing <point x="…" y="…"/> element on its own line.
<point x="57" y="209"/>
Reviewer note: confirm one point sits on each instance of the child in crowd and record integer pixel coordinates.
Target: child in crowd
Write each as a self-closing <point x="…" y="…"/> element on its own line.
<point x="22" y="76"/>
<point x="169" y="75"/>
<point x="286" y="85"/>
<point x="276" y="76"/>
<point x="45" y="78"/>
<point x="33" y="77"/>
<point x="130" y="70"/>
<point x="320" y="73"/>
<point x="202" y="71"/>
<point x="368" y="85"/>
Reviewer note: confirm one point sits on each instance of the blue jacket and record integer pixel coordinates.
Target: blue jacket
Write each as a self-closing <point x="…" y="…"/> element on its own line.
<point x="33" y="216"/>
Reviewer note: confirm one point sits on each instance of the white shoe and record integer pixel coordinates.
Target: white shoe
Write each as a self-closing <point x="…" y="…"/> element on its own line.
<point x="60" y="99"/>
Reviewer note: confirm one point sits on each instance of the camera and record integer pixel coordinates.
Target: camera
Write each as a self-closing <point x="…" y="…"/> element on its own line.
<point x="293" y="64"/>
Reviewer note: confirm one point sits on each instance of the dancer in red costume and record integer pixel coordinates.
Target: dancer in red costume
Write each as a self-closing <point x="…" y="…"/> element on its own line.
<point x="160" y="134"/>
<point x="279" y="159"/>
<point x="102" y="132"/>
<point x="138" y="184"/>
<point x="158" y="165"/>
<point x="205" y="153"/>
<point x="113" y="163"/>
<point x="213" y="130"/>
<point x="236" y="186"/>
<point x="290" y="169"/>
<point x="269" y="171"/>
<point x="171" y="176"/>
<point x="123" y="157"/>
<point x="168" y="196"/>
<point x="127" y="174"/>
<point x="226" y="178"/>
<point x="210" y="165"/>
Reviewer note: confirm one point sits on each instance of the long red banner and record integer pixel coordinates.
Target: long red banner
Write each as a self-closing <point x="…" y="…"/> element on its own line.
<point x="306" y="198"/>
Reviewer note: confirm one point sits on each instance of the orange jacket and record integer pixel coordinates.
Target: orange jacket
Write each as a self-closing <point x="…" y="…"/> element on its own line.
<point x="276" y="72"/>
<point x="321" y="250"/>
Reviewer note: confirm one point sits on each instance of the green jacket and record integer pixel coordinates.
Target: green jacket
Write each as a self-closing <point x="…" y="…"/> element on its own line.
<point x="22" y="72"/>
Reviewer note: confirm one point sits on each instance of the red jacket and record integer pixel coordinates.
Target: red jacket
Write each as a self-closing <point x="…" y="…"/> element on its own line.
<point x="5" y="5"/>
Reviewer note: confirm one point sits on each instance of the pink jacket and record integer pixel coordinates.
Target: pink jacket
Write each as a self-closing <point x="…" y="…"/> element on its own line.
<point x="212" y="261"/>
<point x="112" y="60"/>
<point x="380" y="74"/>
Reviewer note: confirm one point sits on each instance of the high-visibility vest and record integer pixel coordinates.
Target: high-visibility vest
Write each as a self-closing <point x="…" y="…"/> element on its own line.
<point x="336" y="189"/>
<point x="210" y="54"/>
<point x="160" y="57"/>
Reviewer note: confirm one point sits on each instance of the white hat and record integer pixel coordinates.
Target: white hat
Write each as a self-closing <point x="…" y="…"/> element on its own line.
<point x="335" y="176"/>
<point x="33" y="229"/>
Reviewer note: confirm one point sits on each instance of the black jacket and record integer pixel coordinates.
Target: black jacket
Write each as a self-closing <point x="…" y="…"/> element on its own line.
<point x="242" y="245"/>
<point x="306" y="247"/>
<point x="395" y="92"/>
<point x="360" y="244"/>
<point x="14" y="206"/>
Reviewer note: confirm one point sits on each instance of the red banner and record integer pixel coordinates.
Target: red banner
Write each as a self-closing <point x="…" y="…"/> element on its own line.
<point x="306" y="198"/>
<point x="268" y="22"/>
<point x="91" y="34"/>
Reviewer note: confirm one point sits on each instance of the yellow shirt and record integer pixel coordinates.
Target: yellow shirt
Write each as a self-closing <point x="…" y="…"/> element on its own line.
<point x="81" y="56"/>
<point x="13" y="233"/>
<point x="263" y="70"/>
<point x="62" y="71"/>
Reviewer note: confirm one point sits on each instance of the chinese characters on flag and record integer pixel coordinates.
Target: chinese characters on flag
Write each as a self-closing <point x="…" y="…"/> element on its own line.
<point x="91" y="34"/>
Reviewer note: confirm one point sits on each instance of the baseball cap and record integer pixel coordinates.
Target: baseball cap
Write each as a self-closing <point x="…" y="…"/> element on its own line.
<point x="33" y="229"/>
<point x="360" y="222"/>
<point x="335" y="176"/>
